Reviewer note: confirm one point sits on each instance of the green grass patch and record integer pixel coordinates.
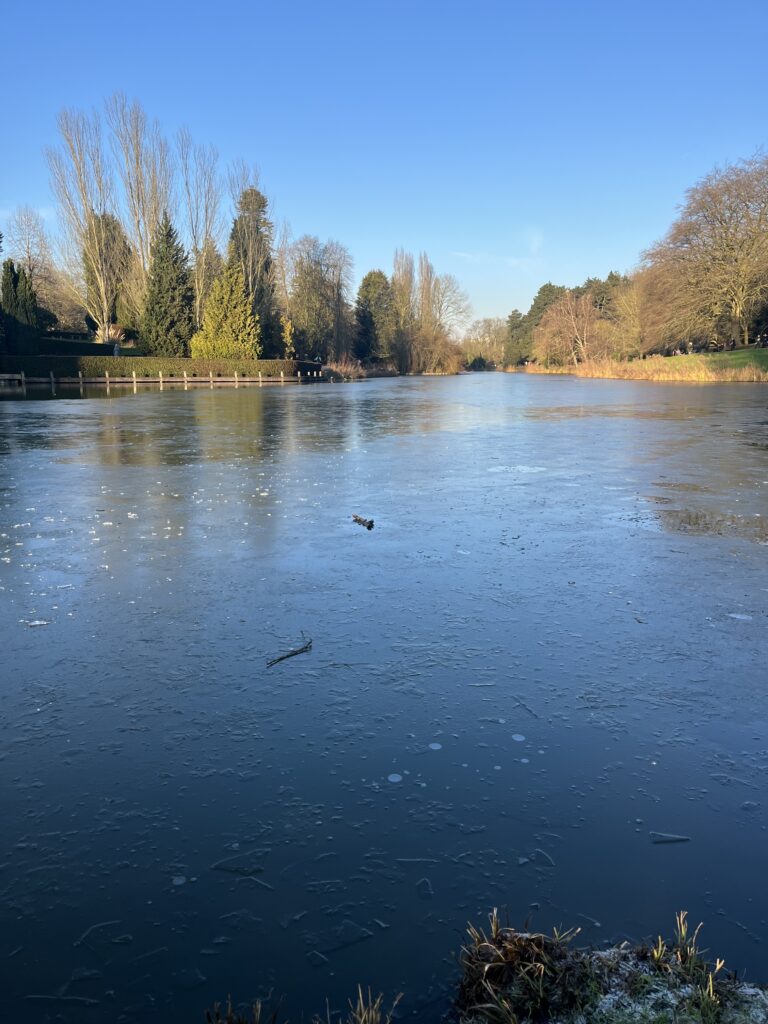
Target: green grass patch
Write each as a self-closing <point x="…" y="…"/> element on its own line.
<point x="740" y="358"/>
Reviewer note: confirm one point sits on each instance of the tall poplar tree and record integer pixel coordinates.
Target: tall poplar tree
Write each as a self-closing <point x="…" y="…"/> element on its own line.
<point x="168" y="320"/>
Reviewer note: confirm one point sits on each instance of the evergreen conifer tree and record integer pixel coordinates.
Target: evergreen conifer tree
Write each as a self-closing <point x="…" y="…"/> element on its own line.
<point x="168" y="320"/>
<point x="18" y="300"/>
<point x="250" y="244"/>
<point x="26" y="300"/>
<point x="2" y="313"/>
<point x="230" y="330"/>
<point x="374" y="317"/>
<point x="8" y="288"/>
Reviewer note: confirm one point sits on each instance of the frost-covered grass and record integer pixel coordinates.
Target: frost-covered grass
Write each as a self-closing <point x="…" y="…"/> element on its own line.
<point x="513" y="977"/>
<point x="365" y="1008"/>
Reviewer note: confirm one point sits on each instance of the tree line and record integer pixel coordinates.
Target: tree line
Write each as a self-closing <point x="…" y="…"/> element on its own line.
<point x="162" y="248"/>
<point x="147" y="256"/>
<point x="703" y="286"/>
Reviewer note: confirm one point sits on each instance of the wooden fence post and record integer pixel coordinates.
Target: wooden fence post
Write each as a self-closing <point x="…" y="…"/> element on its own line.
<point x="186" y="382"/>
<point x="236" y="378"/>
<point x="106" y="374"/>
<point x="210" y="376"/>
<point x="80" y="375"/>
<point x="259" y="378"/>
<point x="134" y="381"/>
<point x="160" y="375"/>
<point x="53" y="385"/>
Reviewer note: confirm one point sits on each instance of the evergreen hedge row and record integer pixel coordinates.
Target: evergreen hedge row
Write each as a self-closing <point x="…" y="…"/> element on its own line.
<point x="44" y="346"/>
<point x="152" y="366"/>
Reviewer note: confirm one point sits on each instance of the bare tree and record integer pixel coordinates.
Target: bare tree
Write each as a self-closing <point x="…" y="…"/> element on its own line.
<point x="404" y="306"/>
<point x="337" y="263"/>
<point x="315" y="276"/>
<point x="426" y="314"/>
<point x="252" y="230"/>
<point x="452" y="308"/>
<point x="566" y="333"/>
<point x="201" y="193"/>
<point x="441" y="306"/>
<point x="283" y="266"/>
<point x="486" y="339"/>
<point x="28" y="244"/>
<point x="241" y="176"/>
<point x="145" y="167"/>
<point x="82" y="182"/>
<point x="718" y="246"/>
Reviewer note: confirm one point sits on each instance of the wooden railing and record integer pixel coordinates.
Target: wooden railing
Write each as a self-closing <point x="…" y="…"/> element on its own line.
<point x="21" y="380"/>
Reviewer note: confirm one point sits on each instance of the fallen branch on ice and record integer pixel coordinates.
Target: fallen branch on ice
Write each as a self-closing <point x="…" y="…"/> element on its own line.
<point x="292" y="654"/>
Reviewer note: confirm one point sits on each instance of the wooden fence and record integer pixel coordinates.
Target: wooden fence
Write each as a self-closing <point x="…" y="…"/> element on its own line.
<point x="135" y="381"/>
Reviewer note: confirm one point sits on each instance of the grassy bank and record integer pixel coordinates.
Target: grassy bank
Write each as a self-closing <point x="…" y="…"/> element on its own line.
<point x="746" y="365"/>
<point x="512" y="977"/>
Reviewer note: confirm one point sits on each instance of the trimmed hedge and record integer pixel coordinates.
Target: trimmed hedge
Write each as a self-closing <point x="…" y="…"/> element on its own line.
<point x="67" y="349"/>
<point x="151" y="366"/>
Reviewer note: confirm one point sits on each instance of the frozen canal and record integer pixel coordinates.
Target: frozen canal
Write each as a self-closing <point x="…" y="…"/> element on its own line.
<point x="550" y="650"/>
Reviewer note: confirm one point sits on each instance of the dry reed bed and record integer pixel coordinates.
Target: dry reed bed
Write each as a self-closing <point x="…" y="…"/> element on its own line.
<point x="684" y="369"/>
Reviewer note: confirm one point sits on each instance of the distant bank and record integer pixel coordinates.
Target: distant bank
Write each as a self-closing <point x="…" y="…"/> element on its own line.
<point x="749" y="364"/>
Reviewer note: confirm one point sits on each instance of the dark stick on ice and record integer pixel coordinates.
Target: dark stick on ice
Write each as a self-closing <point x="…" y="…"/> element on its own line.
<point x="93" y="928"/>
<point x="668" y="837"/>
<point x="292" y="654"/>
<point x="367" y="523"/>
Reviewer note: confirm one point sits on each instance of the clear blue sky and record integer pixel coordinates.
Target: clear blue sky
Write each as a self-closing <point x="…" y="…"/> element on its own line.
<point x="515" y="142"/>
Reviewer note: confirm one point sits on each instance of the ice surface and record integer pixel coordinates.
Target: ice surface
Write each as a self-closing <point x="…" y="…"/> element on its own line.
<point x="171" y="543"/>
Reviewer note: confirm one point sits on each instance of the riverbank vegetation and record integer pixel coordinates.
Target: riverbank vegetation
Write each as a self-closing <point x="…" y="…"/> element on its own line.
<point x="514" y="977"/>
<point x="163" y="251"/>
<point x="746" y="365"/>
<point x="701" y="288"/>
